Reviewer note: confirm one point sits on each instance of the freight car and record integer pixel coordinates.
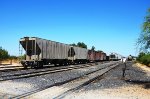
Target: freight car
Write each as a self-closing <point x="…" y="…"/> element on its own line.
<point x="103" y="56"/>
<point x="115" y="57"/>
<point x="100" y="56"/>
<point x="96" y="56"/>
<point x="41" y="52"/>
<point x="80" y="56"/>
<point x="91" y="55"/>
<point x="130" y="58"/>
<point x="107" y="58"/>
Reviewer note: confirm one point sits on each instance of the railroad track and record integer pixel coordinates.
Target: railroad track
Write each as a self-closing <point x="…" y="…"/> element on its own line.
<point x="13" y="69"/>
<point x="10" y="68"/>
<point x="80" y="84"/>
<point x="42" y="72"/>
<point x="18" y="68"/>
<point x="76" y="84"/>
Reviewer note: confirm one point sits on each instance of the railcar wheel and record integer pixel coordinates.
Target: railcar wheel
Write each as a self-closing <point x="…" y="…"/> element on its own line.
<point x="55" y="64"/>
<point x="25" y="67"/>
<point x="40" y="64"/>
<point x="65" y="64"/>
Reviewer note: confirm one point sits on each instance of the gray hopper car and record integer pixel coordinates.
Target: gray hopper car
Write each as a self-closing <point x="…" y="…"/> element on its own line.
<point x="41" y="52"/>
<point x="80" y="55"/>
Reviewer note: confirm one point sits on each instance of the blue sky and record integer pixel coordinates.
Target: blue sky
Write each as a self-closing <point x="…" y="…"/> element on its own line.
<point x="109" y="25"/>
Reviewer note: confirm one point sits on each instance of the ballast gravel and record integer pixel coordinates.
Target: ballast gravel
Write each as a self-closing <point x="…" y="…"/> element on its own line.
<point x="21" y="86"/>
<point x="113" y="86"/>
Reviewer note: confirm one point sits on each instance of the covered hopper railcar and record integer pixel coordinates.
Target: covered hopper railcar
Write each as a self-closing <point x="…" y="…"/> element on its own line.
<point x="41" y="52"/>
<point x="80" y="55"/>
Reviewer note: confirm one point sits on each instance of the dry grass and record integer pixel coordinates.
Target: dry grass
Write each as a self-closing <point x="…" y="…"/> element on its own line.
<point x="143" y="67"/>
<point x="140" y="64"/>
<point x="10" y="61"/>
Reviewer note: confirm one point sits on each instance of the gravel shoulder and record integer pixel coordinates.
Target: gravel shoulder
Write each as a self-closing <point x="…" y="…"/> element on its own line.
<point x="112" y="86"/>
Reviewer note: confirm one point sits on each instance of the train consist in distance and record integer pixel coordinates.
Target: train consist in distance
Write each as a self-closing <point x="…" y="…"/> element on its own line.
<point x="115" y="57"/>
<point x="41" y="52"/>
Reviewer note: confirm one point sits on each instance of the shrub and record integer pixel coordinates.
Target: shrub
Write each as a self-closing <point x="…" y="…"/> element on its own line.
<point x="140" y="56"/>
<point x="144" y="58"/>
<point x="3" y="54"/>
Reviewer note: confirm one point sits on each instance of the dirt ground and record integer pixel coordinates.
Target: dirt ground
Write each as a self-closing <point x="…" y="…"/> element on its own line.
<point x="10" y="62"/>
<point x="143" y="67"/>
<point x="127" y="92"/>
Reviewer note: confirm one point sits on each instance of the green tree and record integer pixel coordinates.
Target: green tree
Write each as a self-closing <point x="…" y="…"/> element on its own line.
<point x="144" y="58"/>
<point x="79" y="44"/>
<point x="99" y="51"/>
<point x="82" y="45"/>
<point x="73" y="44"/>
<point x="144" y="40"/>
<point x="93" y="48"/>
<point x="140" y="55"/>
<point x="13" y="57"/>
<point x="23" y="57"/>
<point x="3" y="54"/>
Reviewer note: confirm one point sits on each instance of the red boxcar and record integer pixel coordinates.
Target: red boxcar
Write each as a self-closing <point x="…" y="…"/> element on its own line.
<point x="91" y="55"/>
<point x="98" y="56"/>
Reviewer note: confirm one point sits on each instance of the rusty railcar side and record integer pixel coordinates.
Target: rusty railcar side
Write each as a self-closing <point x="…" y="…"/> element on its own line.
<point x="91" y="55"/>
